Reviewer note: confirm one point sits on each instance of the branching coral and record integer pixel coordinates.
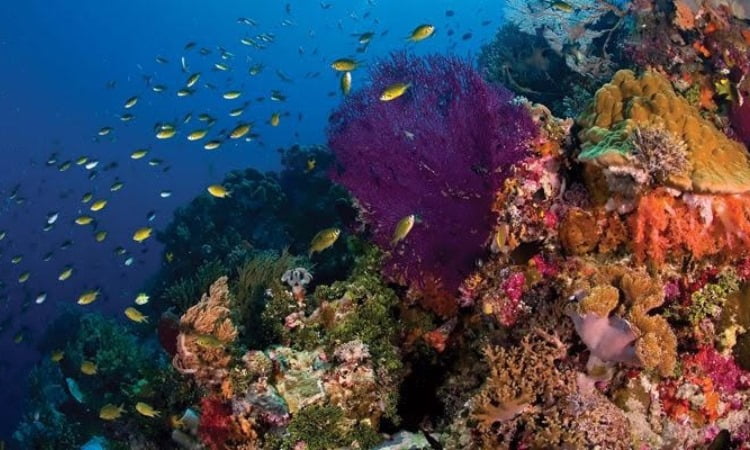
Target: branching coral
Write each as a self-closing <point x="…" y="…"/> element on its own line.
<point x="206" y="331"/>
<point x="438" y="152"/>
<point x="533" y="398"/>
<point x="660" y="152"/>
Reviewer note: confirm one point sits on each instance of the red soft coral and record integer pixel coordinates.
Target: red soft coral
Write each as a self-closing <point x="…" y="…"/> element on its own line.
<point x="709" y="225"/>
<point x="215" y="422"/>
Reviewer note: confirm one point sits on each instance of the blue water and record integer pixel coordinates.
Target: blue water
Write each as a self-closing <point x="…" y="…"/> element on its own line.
<point x="57" y="60"/>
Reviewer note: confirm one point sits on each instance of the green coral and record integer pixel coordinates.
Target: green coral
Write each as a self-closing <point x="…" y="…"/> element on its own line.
<point x="373" y="320"/>
<point x="323" y="427"/>
<point x="186" y="291"/>
<point x="709" y="300"/>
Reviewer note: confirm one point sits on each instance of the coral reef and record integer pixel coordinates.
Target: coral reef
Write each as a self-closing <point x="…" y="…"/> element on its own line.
<point x="717" y="164"/>
<point x="526" y="64"/>
<point x="442" y="148"/>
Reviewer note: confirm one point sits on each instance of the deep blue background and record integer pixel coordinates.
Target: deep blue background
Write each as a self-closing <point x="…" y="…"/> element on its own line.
<point x="56" y="58"/>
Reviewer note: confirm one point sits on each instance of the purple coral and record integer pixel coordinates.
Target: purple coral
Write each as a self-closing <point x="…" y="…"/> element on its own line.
<point x="439" y="151"/>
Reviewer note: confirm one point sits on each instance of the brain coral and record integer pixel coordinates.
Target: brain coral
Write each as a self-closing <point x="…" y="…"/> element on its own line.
<point x="717" y="163"/>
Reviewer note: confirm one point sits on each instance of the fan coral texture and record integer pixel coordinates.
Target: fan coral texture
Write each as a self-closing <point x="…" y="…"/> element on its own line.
<point x="439" y="151"/>
<point x="206" y="331"/>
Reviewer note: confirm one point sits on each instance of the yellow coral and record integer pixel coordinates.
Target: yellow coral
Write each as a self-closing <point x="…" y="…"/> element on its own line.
<point x="719" y="164"/>
<point x="656" y="346"/>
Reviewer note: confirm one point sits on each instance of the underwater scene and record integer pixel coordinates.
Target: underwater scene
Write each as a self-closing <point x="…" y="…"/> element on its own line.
<point x="375" y="224"/>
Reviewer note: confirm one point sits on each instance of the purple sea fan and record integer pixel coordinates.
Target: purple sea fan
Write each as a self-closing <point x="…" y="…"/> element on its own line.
<point x="439" y="151"/>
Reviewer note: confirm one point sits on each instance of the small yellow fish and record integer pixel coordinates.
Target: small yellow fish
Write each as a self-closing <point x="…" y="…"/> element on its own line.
<point x="208" y="341"/>
<point x="192" y="79"/>
<point x="239" y="131"/>
<point x="129" y="103"/>
<point x="65" y="274"/>
<point x="346" y="83"/>
<point x="116" y="186"/>
<point x="88" y="368"/>
<point x="84" y="220"/>
<point x="175" y="421"/>
<point x="275" y="119"/>
<point x="98" y="205"/>
<point x="197" y="135"/>
<point x="105" y="131"/>
<point x="236" y="112"/>
<point x="141" y="234"/>
<point x="87" y="197"/>
<point x="138" y="154"/>
<point x="184" y="92"/>
<point x="344" y="65"/>
<point x="724" y="88"/>
<point x="221" y="66"/>
<point x="16" y="259"/>
<point x="166" y="132"/>
<point x="100" y="236"/>
<point x="212" y="145"/>
<point x="135" y="315"/>
<point x="142" y="298"/>
<point x="24" y="277"/>
<point x="324" y="239"/>
<point x="231" y="95"/>
<point x="218" y="191"/>
<point x="88" y="297"/>
<point x="18" y="338"/>
<point x="562" y="6"/>
<point x="500" y="239"/>
<point x="111" y="412"/>
<point x="57" y="356"/>
<point x="146" y="410"/>
<point x="82" y="160"/>
<point x="310" y="165"/>
<point x="402" y="229"/>
<point x="394" y="91"/>
<point x="421" y="33"/>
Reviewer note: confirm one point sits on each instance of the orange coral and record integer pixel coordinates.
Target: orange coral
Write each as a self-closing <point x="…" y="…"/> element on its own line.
<point x="666" y="225"/>
<point x="684" y="16"/>
<point x="206" y="331"/>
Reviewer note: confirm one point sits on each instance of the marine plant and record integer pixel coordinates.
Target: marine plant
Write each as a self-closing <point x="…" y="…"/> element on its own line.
<point x="256" y="279"/>
<point x="439" y="151"/>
